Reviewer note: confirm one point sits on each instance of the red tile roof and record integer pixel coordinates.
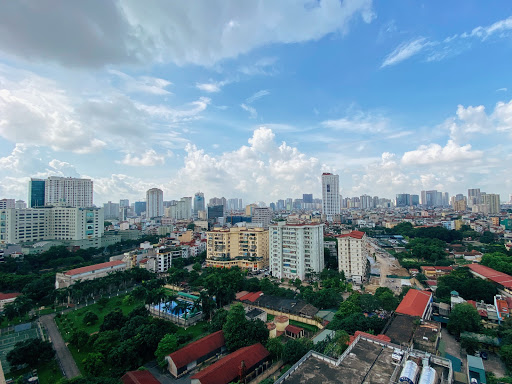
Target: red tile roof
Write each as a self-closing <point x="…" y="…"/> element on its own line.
<point x="293" y="329"/>
<point x="227" y="369"/>
<point x="7" y="296"/>
<point x="95" y="267"/>
<point x="251" y="296"/>
<point x="414" y="303"/>
<point x="493" y="275"/>
<point x="369" y="336"/>
<point x="354" y="234"/>
<point x="198" y="348"/>
<point x="139" y="377"/>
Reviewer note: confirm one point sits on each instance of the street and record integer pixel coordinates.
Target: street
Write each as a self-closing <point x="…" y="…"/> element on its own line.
<point x="64" y="356"/>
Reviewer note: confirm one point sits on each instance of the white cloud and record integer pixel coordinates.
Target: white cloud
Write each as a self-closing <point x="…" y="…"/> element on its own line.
<point x="501" y="90"/>
<point x="435" y="154"/>
<point x="405" y="51"/>
<point x="256" y="96"/>
<point x="208" y="87"/>
<point x="85" y="34"/>
<point x="252" y="111"/>
<point x="143" y="84"/>
<point x="437" y="50"/>
<point x="359" y="123"/>
<point x="150" y="158"/>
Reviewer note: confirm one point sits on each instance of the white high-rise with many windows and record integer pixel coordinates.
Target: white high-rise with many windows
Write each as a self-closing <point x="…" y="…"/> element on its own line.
<point x="296" y="249"/>
<point x="352" y="255"/>
<point x="330" y="195"/>
<point x="68" y="191"/>
<point x="154" y="203"/>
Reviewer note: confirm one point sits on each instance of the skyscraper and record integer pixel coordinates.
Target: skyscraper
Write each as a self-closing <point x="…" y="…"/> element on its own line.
<point x="36" y="193"/>
<point x="139" y="207"/>
<point x="474" y="197"/>
<point x="154" y="203"/>
<point x="198" y="203"/>
<point x="68" y="190"/>
<point x="330" y="195"/>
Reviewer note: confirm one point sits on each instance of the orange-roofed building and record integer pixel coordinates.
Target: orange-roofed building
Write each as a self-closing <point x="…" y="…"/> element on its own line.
<point x="91" y="272"/>
<point x="502" y="308"/>
<point x="353" y="256"/>
<point x="139" y="377"/>
<point x="417" y="304"/>
<point x="235" y="367"/>
<point x="188" y="357"/>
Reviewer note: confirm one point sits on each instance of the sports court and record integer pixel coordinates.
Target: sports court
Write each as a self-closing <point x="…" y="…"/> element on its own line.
<point x="9" y="339"/>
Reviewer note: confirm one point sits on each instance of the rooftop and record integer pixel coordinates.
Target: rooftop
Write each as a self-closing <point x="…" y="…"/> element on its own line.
<point x="354" y="234"/>
<point x="139" y="377"/>
<point x="7" y="296"/>
<point x="491" y="274"/>
<point x="414" y="303"/>
<point x="95" y="267"/>
<point x="198" y="348"/>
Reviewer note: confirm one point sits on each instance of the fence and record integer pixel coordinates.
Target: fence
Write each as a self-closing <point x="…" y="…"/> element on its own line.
<point x="174" y="318"/>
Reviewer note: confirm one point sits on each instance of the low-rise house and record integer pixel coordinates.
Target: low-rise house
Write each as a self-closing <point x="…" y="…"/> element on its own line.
<point x="416" y="304"/>
<point x="239" y="366"/>
<point x="91" y="272"/>
<point x="139" y="377"/>
<point x="6" y="298"/>
<point x="187" y="358"/>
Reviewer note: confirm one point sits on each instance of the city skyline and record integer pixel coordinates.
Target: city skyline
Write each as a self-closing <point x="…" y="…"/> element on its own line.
<point x="256" y="101"/>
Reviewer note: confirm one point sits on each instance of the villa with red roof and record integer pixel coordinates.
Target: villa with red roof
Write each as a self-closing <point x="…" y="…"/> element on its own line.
<point x="416" y="304"/>
<point x="6" y="298"/>
<point x="353" y="256"/>
<point x="237" y="366"/>
<point x="91" y="272"/>
<point x="188" y="357"/>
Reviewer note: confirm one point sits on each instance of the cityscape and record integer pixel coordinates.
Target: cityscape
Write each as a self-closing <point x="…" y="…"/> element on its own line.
<point x="255" y="192"/>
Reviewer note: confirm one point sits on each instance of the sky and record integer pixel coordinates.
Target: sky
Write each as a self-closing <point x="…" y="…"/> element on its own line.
<point x="256" y="98"/>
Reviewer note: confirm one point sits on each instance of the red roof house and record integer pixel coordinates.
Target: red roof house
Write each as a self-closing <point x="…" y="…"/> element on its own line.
<point x="92" y="268"/>
<point x="190" y="356"/>
<point x="369" y="336"/>
<point x="139" y="377"/>
<point x="416" y="303"/>
<point x="484" y="272"/>
<point x="230" y="367"/>
<point x="354" y="234"/>
<point x="6" y="298"/>
<point x="294" y="332"/>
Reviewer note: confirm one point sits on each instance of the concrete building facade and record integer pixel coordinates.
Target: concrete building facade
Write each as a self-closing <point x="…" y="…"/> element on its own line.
<point x="352" y="256"/>
<point x="296" y="249"/>
<point x="154" y="203"/>
<point x="68" y="190"/>
<point x="331" y="200"/>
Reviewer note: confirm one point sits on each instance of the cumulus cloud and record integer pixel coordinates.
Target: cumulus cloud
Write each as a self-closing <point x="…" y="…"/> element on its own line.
<point x="435" y="154"/>
<point x="92" y="33"/>
<point x="35" y="111"/>
<point x="149" y="158"/>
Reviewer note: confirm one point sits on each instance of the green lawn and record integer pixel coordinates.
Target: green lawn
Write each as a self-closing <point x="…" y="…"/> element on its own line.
<point x="73" y="320"/>
<point x="196" y="330"/>
<point x="307" y="327"/>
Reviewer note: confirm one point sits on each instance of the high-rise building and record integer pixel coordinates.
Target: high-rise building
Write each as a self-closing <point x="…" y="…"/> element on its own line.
<point x="199" y="204"/>
<point x="50" y="223"/>
<point x="68" y="191"/>
<point x="474" y="197"/>
<point x="493" y="201"/>
<point x="124" y="203"/>
<point x="403" y="200"/>
<point x="262" y="216"/>
<point x="330" y="195"/>
<point x="352" y="256"/>
<point x="7" y="203"/>
<point x="415" y="200"/>
<point x="215" y="213"/>
<point x="366" y="202"/>
<point x="280" y="205"/>
<point x="154" y="203"/>
<point x="139" y="207"/>
<point x="307" y="198"/>
<point x="20" y="204"/>
<point x="111" y="210"/>
<point x="246" y="248"/>
<point x="36" y="193"/>
<point x="296" y="250"/>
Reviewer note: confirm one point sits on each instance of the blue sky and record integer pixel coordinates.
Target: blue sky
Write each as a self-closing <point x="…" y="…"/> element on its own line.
<point x="255" y="99"/>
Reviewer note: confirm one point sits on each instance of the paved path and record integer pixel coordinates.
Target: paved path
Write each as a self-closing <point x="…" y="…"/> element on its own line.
<point x="64" y="356"/>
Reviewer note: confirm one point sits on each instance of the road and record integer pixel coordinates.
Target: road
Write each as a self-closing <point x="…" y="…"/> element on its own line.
<point x="64" y="356"/>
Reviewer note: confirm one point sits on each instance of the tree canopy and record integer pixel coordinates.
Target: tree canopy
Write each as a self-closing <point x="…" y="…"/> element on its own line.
<point x="464" y="318"/>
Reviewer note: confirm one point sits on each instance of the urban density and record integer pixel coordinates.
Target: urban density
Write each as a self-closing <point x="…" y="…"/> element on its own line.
<point x="255" y="192"/>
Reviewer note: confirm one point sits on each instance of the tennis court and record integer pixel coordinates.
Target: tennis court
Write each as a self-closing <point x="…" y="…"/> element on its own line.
<point x="8" y="341"/>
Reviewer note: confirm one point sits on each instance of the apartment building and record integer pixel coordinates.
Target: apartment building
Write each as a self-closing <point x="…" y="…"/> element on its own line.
<point x="246" y="248"/>
<point x="331" y="200"/>
<point x="50" y="223"/>
<point x="68" y="190"/>
<point x="296" y="249"/>
<point x="352" y="255"/>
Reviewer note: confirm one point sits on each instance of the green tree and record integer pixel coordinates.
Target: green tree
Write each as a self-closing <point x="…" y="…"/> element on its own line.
<point x="470" y="344"/>
<point x="166" y="346"/>
<point x="275" y="347"/>
<point x="218" y="320"/>
<point x="240" y="332"/>
<point x="94" y="363"/>
<point x="369" y="303"/>
<point x="294" y="349"/>
<point x="464" y="318"/>
<point x="90" y="318"/>
<point x="113" y="320"/>
<point x="506" y="355"/>
<point x="32" y="352"/>
<point x="338" y="344"/>
<point x="79" y="338"/>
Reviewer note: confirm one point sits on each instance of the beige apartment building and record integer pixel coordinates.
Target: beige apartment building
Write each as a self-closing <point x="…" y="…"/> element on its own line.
<point x="246" y="248"/>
